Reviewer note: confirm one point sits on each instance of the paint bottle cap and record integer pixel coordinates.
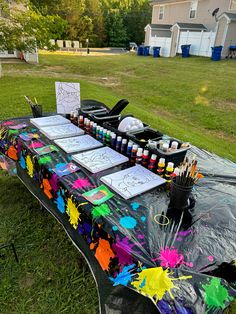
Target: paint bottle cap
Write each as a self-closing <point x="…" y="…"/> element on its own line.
<point x="101" y="129"/>
<point x="81" y="117"/>
<point x="135" y="147"/>
<point x="145" y="152"/>
<point x="98" y="128"/>
<point x="113" y="135"/>
<point x="94" y="124"/>
<point x="108" y="132"/>
<point x="176" y="171"/>
<point x="140" y="152"/>
<point x="130" y="143"/>
<point x="174" y="145"/>
<point x="162" y="161"/>
<point x="119" y="138"/>
<point x="170" y="165"/>
<point x="165" y="147"/>
<point x="154" y="157"/>
<point x="85" y="120"/>
<point x="91" y="123"/>
<point x="124" y="141"/>
<point x="104" y="131"/>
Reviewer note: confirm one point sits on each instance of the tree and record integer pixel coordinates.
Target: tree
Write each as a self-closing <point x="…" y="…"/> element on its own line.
<point x="25" y="29"/>
<point x="116" y="32"/>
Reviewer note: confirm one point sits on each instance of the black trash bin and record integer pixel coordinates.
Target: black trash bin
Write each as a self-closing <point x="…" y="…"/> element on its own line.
<point x="156" y="52"/>
<point x="185" y="51"/>
<point x="216" y="53"/>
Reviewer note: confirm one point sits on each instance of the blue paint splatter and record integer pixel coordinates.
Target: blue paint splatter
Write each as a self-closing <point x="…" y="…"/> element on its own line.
<point x="22" y="162"/>
<point x="143" y="218"/>
<point x="60" y="203"/>
<point x="124" y="277"/>
<point x="143" y="283"/>
<point x="135" y="205"/>
<point x="128" y="222"/>
<point x="115" y="228"/>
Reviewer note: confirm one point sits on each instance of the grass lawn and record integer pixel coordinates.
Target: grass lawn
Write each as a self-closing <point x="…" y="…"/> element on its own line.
<point x="192" y="99"/>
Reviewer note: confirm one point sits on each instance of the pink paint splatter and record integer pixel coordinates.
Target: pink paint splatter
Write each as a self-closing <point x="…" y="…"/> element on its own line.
<point x="140" y="236"/>
<point x="8" y="123"/>
<point x="81" y="183"/>
<point x="36" y="145"/>
<point x="170" y="258"/>
<point x="184" y="233"/>
<point x="210" y="258"/>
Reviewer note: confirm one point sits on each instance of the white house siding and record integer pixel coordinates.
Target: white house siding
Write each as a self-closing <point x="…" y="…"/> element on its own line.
<point x="230" y="38"/>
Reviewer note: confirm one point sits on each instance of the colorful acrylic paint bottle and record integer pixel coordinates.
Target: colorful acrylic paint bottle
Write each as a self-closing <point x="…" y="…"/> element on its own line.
<point x="91" y="127"/>
<point x="104" y="136"/>
<point x="108" y="138"/>
<point x="97" y="132"/>
<point x="81" y="122"/>
<point x="129" y="149"/>
<point x="118" y="143"/>
<point x="145" y="158"/>
<point x="161" y="167"/>
<point x="139" y="156"/>
<point x="94" y="129"/>
<point x="123" y="146"/>
<point x="113" y="140"/>
<point x="168" y="174"/>
<point x="152" y="162"/>
<point x="133" y="154"/>
<point x="100" y="134"/>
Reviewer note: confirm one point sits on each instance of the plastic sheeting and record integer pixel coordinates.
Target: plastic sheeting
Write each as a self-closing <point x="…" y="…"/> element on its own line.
<point x="185" y="263"/>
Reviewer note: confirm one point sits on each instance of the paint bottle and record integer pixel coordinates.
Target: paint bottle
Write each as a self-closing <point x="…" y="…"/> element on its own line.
<point x="97" y="132"/>
<point x="152" y="162"/>
<point x="74" y="117"/>
<point x="108" y="138"/>
<point x="123" y="146"/>
<point x="87" y="126"/>
<point x="100" y="138"/>
<point x="85" y="123"/>
<point x="81" y="122"/>
<point x="165" y="147"/>
<point x="139" y="156"/>
<point x="104" y="136"/>
<point x="168" y="173"/>
<point x="133" y="154"/>
<point x="129" y="149"/>
<point x="113" y="140"/>
<point x="91" y="127"/>
<point x="94" y="129"/>
<point x="174" y="146"/>
<point x="118" y="143"/>
<point x="161" y="167"/>
<point x="145" y="158"/>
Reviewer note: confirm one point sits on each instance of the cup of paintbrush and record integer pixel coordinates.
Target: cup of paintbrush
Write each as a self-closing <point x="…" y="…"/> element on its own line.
<point x="179" y="195"/>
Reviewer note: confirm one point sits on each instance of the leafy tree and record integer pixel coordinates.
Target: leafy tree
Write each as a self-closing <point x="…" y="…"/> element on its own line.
<point x="116" y="32"/>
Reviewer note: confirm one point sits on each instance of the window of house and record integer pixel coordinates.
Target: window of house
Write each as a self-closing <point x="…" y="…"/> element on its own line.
<point x="233" y="5"/>
<point x="193" y="9"/>
<point x="161" y="12"/>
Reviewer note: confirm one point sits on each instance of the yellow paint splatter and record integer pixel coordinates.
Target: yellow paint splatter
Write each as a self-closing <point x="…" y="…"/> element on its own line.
<point x="73" y="213"/>
<point x="30" y="166"/>
<point x="155" y="282"/>
<point x="234" y="262"/>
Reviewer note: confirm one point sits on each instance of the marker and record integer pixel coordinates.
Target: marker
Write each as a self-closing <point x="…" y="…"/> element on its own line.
<point x="129" y="148"/>
<point x="145" y="158"/>
<point x="139" y="156"/>
<point x="152" y="162"/>
<point x="118" y="143"/>
<point x="113" y="140"/>
<point x="123" y="146"/>
<point x="133" y="154"/>
<point x="161" y="167"/>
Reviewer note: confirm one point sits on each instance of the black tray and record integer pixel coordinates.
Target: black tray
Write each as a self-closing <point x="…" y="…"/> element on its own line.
<point x="142" y="136"/>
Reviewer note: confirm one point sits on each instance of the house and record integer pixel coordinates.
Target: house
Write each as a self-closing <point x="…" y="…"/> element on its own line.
<point x="201" y="23"/>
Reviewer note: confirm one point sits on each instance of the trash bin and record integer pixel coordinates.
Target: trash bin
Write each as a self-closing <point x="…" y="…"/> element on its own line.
<point x="140" y="51"/>
<point x="146" y="51"/>
<point x="216" y="53"/>
<point x="156" y="52"/>
<point x="185" y="51"/>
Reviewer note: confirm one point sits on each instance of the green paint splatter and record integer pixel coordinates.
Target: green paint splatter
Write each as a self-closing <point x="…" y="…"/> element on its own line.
<point x="215" y="294"/>
<point x="101" y="211"/>
<point x="44" y="160"/>
<point x="13" y="132"/>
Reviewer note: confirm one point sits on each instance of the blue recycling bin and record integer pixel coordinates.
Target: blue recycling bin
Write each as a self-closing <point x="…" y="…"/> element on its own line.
<point x="185" y="51"/>
<point x="156" y="52"/>
<point x="146" y="51"/>
<point x="216" y="53"/>
<point x="140" y="50"/>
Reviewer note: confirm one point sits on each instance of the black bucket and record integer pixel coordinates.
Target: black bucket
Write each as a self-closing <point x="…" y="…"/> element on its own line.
<point x="179" y="196"/>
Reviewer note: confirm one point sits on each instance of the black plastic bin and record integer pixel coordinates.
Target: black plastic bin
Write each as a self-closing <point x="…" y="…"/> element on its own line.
<point x="156" y="52"/>
<point x="216" y="53"/>
<point x="92" y="106"/>
<point x="185" y="51"/>
<point x="142" y="136"/>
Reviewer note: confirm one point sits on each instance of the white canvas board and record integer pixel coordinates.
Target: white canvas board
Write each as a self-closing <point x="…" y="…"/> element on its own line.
<point x="78" y="143"/>
<point x="61" y="131"/>
<point x="67" y="97"/>
<point x="132" y="181"/>
<point x="49" y="121"/>
<point x="99" y="159"/>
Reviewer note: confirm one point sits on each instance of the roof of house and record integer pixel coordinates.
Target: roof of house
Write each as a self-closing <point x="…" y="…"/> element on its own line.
<point x="231" y="16"/>
<point x="191" y="26"/>
<point x="160" y="26"/>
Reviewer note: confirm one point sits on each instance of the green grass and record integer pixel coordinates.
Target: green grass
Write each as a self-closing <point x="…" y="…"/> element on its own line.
<point x="192" y="99"/>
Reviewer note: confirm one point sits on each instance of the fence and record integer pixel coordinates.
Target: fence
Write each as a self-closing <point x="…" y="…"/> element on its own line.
<point x="201" y="42"/>
<point x="163" y="42"/>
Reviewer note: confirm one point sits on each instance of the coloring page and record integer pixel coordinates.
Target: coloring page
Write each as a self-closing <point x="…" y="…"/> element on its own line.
<point x="78" y="143"/>
<point x="67" y="97"/>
